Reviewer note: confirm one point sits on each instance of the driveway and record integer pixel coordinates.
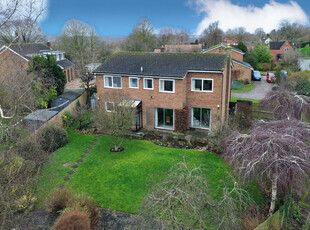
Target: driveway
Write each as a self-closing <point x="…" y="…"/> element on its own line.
<point x="260" y="91"/>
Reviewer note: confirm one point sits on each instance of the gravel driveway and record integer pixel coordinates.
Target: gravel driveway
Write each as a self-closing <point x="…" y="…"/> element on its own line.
<point x="261" y="89"/>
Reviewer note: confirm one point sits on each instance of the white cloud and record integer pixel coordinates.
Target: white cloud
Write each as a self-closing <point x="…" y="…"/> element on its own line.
<point x="251" y="17"/>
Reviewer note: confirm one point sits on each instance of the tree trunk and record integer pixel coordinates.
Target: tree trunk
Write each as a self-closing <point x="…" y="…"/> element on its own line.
<point x="274" y="185"/>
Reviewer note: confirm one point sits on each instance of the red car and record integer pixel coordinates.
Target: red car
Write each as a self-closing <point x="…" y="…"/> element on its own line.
<point x="270" y="77"/>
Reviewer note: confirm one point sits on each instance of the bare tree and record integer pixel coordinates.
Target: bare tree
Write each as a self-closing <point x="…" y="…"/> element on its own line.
<point x="87" y="79"/>
<point x="142" y="37"/>
<point x="286" y="104"/>
<point x="171" y="36"/>
<point x="81" y="44"/>
<point x="21" y="14"/>
<point x="183" y="201"/>
<point x="114" y="116"/>
<point x="213" y="35"/>
<point x="275" y="152"/>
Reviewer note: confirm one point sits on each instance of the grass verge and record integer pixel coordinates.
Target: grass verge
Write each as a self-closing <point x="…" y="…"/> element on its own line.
<point x="234" y="99"/>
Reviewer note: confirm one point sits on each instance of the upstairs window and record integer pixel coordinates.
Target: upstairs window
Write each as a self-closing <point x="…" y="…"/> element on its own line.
<point x="148" y="83"/>
<point x="286" y="49"/>
<point x="133" y="82"/>
<point x="166" y="86"/>
<point x="202" y="85"/>
<point x="112" y="82"/>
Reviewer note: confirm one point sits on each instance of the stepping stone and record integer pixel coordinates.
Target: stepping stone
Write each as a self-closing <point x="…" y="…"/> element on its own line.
<point x="87" y="151"/>
<point x="67" y="178"/>
<point x="83" y="156"/>
<point x="79" y="161"/>
<point x="62" y="186"/>
<point x="69" y="163"/>
<point x="75" y="166"/>
<point x="71" y="172"/>
<point x="90" y="148"/>
<point x="96" y="140"/>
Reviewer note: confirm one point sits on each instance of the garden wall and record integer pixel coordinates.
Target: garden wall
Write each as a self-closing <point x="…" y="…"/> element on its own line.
<point x="57" y="119"/>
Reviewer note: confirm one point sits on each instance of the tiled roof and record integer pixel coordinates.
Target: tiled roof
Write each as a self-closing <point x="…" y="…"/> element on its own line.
<point x="174" y="65"/>
<point x="242" y="63"/>
<point x="223" y="46"/>
<point x="28" y="49"/>
<point x="65" y="63"/>
<point x="276" y="45"/>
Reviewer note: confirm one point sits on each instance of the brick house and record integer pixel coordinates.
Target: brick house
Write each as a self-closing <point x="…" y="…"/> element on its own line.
<point x="277" y="49"/>
<point x="17" y="56"/>
<point x="173" y="91"/>
<point x="241" y="70"/>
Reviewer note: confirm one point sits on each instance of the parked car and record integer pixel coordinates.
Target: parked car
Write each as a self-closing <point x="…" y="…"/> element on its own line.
<point x="256" y="75"/>
<point x="270" y="77"/>
<point x="284" y="73"/>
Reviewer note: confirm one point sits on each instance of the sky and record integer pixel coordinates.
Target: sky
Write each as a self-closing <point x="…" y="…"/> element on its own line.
<point x="118" y="17"/>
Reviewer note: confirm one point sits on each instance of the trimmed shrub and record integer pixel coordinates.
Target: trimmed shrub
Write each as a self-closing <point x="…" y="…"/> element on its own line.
<point x="53" y="138"/>
<point x="75" y="219"/>
<point x="59" y="199"/>
<point x="87" y="203"/>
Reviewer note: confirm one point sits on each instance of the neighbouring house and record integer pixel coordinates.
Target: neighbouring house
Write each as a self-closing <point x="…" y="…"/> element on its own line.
<point x="17" y="56"/>
<point x="172" y="91"/>
<point x="277" y="49"/>
<point x="91" y="67"/>
<point x="241" y="70"/>
<point x="231" y="42"/>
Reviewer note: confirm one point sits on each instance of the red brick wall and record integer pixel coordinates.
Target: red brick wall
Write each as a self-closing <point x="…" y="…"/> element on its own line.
<point x="281" y="50"/>
<point x="183" y="96"/>
<point x="240" y="72"/>
<point x="10" y="63"/>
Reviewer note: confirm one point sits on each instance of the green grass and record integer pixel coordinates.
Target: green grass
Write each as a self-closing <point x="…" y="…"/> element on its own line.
<point x="119" y="181"/>
<point x="234" y="99"/>
<point x="305" y="51"/>
<point x="240" y="87"/>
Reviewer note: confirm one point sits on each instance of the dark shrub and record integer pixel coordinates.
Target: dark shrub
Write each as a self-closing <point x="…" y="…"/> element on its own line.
<point x="89" y="204"/>
<point x="73" y="220"/>
<point x="59" y="199"/>
<point x="31" y="149"/>
<point x="53" y="137"/>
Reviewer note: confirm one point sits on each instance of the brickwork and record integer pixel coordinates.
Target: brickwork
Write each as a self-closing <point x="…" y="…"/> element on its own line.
<point x="240" y="72"/>
<point x="287" y="45"/>
<point x="182" y="97"/>
<point x="11" y="64"/>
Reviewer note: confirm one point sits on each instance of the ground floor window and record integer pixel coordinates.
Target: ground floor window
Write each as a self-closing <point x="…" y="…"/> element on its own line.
<point x="201" y="118"/>
<point x="164" y="118"/>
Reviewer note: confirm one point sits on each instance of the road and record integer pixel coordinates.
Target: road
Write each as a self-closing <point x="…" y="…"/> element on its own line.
<point x="260" y="91"/>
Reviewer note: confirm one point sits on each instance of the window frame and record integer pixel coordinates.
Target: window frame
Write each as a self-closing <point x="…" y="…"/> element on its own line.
<point x="146" y="78"/>
<point x="111" y="87"/>
<point x="173" y="85"/>
<point x="192" y="118"/>
<point x="202" y="79"/>
<point x="286" y="49"/>
<point x="156" y="118"/>
<point x="131" y="87"/>
<point x="106" y="106"/>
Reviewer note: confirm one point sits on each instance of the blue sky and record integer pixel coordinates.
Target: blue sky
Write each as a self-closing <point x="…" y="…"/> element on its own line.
<point x="118" y="17"/>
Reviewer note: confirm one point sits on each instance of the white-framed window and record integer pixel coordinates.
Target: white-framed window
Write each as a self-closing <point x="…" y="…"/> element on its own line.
<point x="286" y="49"/>
<point x="148" y="83"/>
<point x="112" y="81"/>
<point x="134" y="82"/>
<point x="202" y="85"/>
<point x="164" y="118"/>
<point x="201" y="118"/>
<point x="166" y="85"/>
<point x="109" y="106"/>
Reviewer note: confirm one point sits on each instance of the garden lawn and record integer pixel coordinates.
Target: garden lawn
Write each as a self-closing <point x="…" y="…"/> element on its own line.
<point x="234" y="99"/>
<point x="120" y="181"/>
<point x="244" y="88"/>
